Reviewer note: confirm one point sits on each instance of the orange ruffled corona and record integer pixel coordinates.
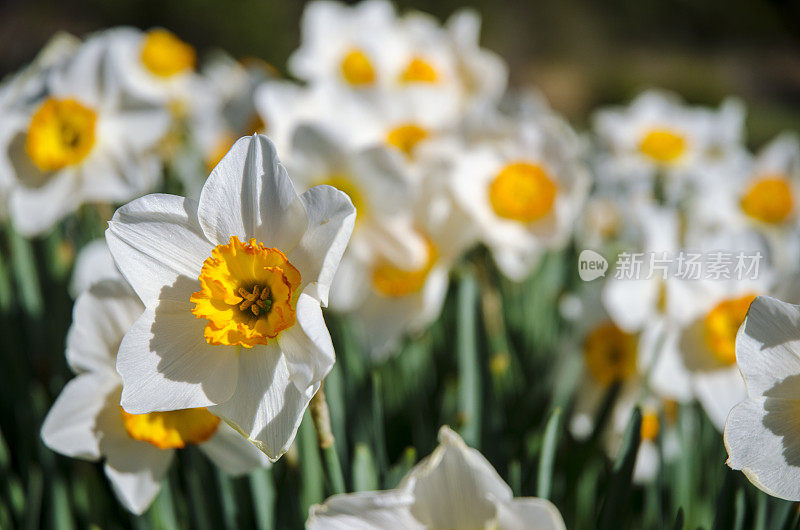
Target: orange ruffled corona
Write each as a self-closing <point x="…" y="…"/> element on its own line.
<point x="172" y="429"/>
<point x="248" y="294"/>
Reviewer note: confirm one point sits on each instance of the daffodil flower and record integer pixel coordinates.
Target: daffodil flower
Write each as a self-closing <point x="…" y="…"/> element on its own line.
<point x="659" y="134"/>
<point x="760" y="432"/>
<point x="522" y="189"/>
<point x="233" y="287"/>
<point x="454" y="487"/>
<point x="77" y="143"/>
<point x="87" y="422"/>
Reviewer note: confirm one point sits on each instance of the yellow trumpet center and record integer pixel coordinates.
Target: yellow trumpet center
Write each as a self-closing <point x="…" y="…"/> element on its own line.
<point x="769" y="200"/>
<point x="610" y="354"/>
<point x="663" y="145"/>
<point x="173" y="429"/>
<point x="61" y="134"/>
<point x="650" y="426"/>
<point x="722" y="324"/>
<point x="406" y="137"/>
<point x="390" y="280"/>
<point x="165" y="55"/>
<point x="248" y="294"/>
<point x="344" y="183"/>
<point x="522" y="192"/>
<point x="419" y="71"/>
<point x="357" y="68"/>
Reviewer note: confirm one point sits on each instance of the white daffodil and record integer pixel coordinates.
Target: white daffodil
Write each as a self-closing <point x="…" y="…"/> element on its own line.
<point x="232" y="287"/>
<point x="22" y="89"/>
<point x="154" y="65"/>
<point x="368" y="48"/>
<point x="381" y="193"/>
<point x="707" y="344"/>
<point x="406" y="299"/>
<point x="454" y="487"/>
<point x="658" y="134"/>
<point x="354" y="46"/>
<point x="612" y="356"/>
<point x="761" y="432"/>
<point x="87" y="422"/>
<point x="77" y="143"/>
<point x="759" y="193"/>
<point x="523" y="191"/>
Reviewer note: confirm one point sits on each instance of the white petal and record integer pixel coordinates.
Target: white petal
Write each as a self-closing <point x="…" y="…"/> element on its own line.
<point x="719" y="391"/>
<point x="384" y="510"/>
<point x="529" y="513"/>
<point x="94" y="263"/>
<point x="267" y="407"/>
<point x="232" y="453"/>
<point x="763" y="440"/>
<point x="100" y="318"/>
<point x="331" y="217"/>
<point x="156" y="240"/>
<point x="307" y="345"/>
<point x="348" y="289"/>
<point x="250" y="195"/>
<point x="768" y="348"/>
<point x="69" y="427"/>
<point x="135" y="468"/>
<point x="452" y="487"/>
<point x="630" y="303"/>
<point x="166" y="363"/>
<point x="36" y="210"/>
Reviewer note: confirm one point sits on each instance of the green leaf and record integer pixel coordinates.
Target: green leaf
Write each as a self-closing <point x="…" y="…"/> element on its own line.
<point x="544" y="478"/>
<point x="615" y="512"/>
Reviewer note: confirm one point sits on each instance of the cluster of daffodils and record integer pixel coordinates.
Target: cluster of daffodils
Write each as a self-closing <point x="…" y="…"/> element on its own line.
<point x="359" y="186"/>
<point x="676" y="189"/>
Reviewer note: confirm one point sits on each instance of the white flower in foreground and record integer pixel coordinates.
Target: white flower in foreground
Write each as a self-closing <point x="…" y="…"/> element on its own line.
<point x="523" y="191"/>
<point x="761" y="432"/>
<point x="77" y="143"/>
<point x="87" y="422"/>
<point x="455" y="487"/>
<point x="233" y="287"/>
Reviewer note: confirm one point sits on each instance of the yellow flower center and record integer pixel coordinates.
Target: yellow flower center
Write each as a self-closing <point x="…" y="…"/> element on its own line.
<point x="406" y="137"/>
<point x="419" y="71"/>
<point x="650" y="426"/>
<point x="357" y="68"/>
<point x="165" y="55"/>
<point x="663" y="145"/>
<point x="344" y="183"/>
<point x="769" y="199"/>
<point x="248" y="294"/>
<point x="173" y="429"/>
<point x="61" y="134"/>
<point x="390" y="280"/>
<point x="610" y="354"/>
<point x="721" y="325"/>
<point x="522" y="192"/>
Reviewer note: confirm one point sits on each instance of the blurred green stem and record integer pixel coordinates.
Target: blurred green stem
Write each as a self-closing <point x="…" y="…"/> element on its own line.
<point x="548" y="454"/>
<point x="321" y="416"/>
<point x="469" y="387"/>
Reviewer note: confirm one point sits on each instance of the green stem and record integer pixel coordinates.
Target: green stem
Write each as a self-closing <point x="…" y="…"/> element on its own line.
<point x="320" y="414"/>
<point x="469" y="387"/>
